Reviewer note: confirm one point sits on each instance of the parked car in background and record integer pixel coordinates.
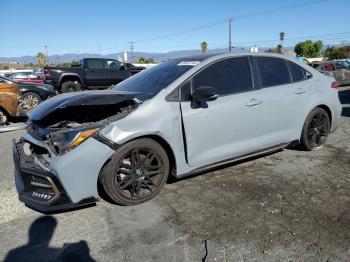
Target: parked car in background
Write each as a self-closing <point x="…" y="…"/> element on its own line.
<point x="32" y="94"/>
<point x="134" y="69"/>
<point x="26" y="77"/>
<point x="177" y="118"/>
<point x="93" y="73"/>
<point x="10" y="105"/>
<point x="337" y="70"/>
<point x="345" y="63"/>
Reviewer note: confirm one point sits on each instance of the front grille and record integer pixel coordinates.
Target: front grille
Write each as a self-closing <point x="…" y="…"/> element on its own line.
<point x="40" y="184"/>
<point x="39" y="188"/>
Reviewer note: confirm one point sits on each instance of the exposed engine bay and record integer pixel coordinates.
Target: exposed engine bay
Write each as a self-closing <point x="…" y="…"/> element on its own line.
<point x="69" y="120"/>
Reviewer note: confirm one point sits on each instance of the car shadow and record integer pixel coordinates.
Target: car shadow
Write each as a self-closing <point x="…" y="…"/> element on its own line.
<point x="344" y="97"/>
<point x="37" y="249"/>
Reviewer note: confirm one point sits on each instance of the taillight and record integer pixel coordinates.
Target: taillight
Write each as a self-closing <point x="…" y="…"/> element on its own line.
<point x="335" y="85"/>
<point x="47" y="73"/>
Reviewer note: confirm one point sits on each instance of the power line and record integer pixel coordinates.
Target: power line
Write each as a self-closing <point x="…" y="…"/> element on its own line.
<point x="229" y="35"/>
<point x="235" y="18"/>
<point x="132" y="50"/>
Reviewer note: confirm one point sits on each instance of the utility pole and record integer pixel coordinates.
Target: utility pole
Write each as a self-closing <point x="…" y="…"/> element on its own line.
<point x="99" y="50"/>
<point x="132" y="50"/>
<point x="47" y="56"/>
<point x="229" y="35"/>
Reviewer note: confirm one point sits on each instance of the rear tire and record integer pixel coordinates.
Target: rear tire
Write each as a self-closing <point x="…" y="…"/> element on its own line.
<point x="316" y="129"/>
<point x="3" y="118"/>
<point x="70" y="86"/>
<point x="136" y="173"/>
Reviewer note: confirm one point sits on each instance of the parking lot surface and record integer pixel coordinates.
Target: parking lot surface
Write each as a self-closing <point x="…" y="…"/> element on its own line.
<point x="288" y="206"/>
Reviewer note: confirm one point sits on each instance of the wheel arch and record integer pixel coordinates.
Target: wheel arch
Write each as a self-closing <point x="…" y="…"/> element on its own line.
<point x="70" y="77"/>
<point x="323" y="106"/>
<point x="170" y="152"/>
<point x="157" y="138"/>
<point x="328" y="110"/>
<point x="160" y="140"/>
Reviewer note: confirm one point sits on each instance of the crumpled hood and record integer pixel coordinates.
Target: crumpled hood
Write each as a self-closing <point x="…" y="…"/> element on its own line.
<point x="73" y="106"/>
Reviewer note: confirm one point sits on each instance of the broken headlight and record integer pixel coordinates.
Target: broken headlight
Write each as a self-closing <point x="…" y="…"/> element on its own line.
<point x="66" y="140"/>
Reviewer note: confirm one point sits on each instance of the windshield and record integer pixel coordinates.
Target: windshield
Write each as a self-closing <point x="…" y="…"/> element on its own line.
<point x="152" y="80"/>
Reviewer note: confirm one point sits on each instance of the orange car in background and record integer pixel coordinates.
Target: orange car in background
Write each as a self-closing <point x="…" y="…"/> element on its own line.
<point x="9" y="100"/>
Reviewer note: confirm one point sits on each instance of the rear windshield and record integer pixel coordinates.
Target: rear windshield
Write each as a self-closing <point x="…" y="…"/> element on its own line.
<point x="154" y="79"/>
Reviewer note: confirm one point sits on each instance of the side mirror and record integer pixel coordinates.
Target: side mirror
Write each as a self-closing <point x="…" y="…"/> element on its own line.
<point x="205" y="93"/>
<point x="122" y="67"/>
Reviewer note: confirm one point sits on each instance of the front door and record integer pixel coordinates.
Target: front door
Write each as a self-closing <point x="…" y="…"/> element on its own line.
<point x="9" y="97"/>
<point x="116" y="71"/>
<point x="226" y="127"/>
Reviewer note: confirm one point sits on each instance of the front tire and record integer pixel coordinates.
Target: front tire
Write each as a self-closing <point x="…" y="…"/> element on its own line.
<point x="3" y="118"/>
<point x="136" y="173"/>
<point x="70" y="86"/>
<point x="316" y="129"/>
<point x="30" y="100"/>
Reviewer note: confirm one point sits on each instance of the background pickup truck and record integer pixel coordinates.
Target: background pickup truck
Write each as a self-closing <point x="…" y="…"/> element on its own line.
<point x="92" y="73"/>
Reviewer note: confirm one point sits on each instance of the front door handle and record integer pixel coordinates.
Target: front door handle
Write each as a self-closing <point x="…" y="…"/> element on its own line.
<point x="300" y="91"/>
<point x="253" y="102"/>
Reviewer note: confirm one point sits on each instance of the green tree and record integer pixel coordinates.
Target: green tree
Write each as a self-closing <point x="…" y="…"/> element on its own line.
<point x="309" y="49"/>
<point x="41" y="58"/>
<point x="204" y="47"/>
<point x="143" y="60"/>
<point x="337" y="52"/>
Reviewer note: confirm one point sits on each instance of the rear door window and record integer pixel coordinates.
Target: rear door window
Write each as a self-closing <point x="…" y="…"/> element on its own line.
<point x="228" y="76"/>
<point x="296" y="71"/>
<point x="95" y="64"/>
<point x="273" y="71"/>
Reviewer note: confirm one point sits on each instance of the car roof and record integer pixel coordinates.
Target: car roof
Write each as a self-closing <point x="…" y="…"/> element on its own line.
<point x="230" y="54"/>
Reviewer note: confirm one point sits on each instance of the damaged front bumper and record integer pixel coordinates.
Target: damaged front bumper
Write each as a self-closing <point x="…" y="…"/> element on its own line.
<point x="38" y="186"/>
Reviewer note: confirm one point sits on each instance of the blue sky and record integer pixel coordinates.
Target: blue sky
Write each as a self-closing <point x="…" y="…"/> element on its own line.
<point x="72" y="26"/>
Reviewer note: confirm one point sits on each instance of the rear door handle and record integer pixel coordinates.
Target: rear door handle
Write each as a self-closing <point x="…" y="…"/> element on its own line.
<point x="300" y="91"/>
<point x="253" y="102"/>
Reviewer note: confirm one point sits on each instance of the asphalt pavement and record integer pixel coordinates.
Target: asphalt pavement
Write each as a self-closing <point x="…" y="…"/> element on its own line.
<point x="288" y="206"/>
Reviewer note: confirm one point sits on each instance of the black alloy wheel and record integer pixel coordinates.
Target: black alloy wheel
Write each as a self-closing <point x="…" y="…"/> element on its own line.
<point x="316" y="129"/>
<point x="70" y="86"/>
<point x="136" y="173"/>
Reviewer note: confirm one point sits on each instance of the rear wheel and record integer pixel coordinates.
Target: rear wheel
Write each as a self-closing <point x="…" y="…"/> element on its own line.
<point x="136" y="173"/>
<point x="70" y="86"/>
<point x="316" y="129"/>
<point x="3" y="118"/>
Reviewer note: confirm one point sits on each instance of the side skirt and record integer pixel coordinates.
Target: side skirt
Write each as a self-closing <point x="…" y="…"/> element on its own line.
<point x="209" y="167"/>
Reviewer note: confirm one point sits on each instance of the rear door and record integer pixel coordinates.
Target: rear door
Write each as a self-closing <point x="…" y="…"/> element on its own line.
<point x="226" y="127"/>
<point x="283" y="100"/>
<point x="96" y="74"/>
<point x="116" y="71"/>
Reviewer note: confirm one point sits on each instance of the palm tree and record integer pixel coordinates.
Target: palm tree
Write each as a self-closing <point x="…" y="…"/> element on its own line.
<point x="282" y="35"/>
<point x="41" y="58"/>
<point x="204" y="47"/>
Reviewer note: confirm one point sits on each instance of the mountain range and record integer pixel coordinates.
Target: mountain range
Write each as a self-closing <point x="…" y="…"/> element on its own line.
<point x="157" y="57"/>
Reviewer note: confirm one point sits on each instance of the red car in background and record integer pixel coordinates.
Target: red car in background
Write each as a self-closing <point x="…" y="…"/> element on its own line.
<point x="26" y="77"/>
